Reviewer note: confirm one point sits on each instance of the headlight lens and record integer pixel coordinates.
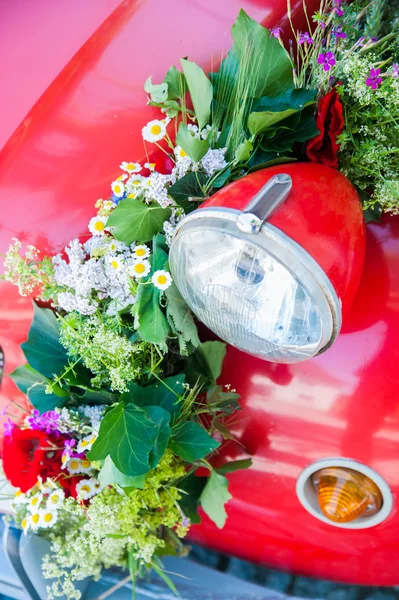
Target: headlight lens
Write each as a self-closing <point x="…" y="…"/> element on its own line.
<point x="263" y="294"/>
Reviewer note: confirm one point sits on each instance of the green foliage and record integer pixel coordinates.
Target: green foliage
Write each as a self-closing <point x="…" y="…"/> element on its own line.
<point x="191" y="442"/>
<point x="214" y="497"/>
<point x="181" y="321"/>
<point x="192" y="488"/>
<point x="43" y="350"/>
<point x="110" y="475"/>
<point x="270" y="110"/>
<point x="235" y="465"/>
<point x="189" y="186"/>
<point x="135" y="221"/>
<point x="34" y="385"/>
<point x="176" y="82"/>
<point x="165" y="394"/>
<point x="243" y="151"/>
<point x="194" y="147"/>
<point x="158" y="92"/>
<point x="205" y="364"/>
<point x="200" y="89"/>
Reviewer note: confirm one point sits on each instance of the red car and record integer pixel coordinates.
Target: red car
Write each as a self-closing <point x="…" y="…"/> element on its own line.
<point x="72" y="90"/>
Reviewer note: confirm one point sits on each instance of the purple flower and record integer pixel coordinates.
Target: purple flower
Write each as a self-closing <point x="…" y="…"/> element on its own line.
<point x="374" y="80"/>
<point x="46" y="422"/>
<point x="322" y="25"/>
<point x="275" y="32"/>
<point x="337" y="7"/>
<point x="305" y="37"/>
<point x="338" y="33"/>
<point x="374" y="39"/>
<point x="185" y="522"/>
<point x="395" y="70"/>
<point x="9" y="426"/>
<point x="327" y="60"/>
<point x="67" y="452"/>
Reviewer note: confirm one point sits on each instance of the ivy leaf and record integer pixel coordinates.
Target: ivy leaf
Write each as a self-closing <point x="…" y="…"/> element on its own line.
<point x="158" y="92"/>
<point x="34" y="384"/>
<point x="271" y="110"/>
<point x="200" y="89"/>
<point x="191" y="442"/>
<point x="92" y="396"/>
<point x="181" y="320"/>
<point x="193" y="487"/>
<point x="214" y="497"/>
<point x="109" y="475"/>
<point x="43" y="350"/>
<point x="205" y="364"/>
<point x="234" y="465"/>
<point x="160" y="418"/>
<point x="152" y="324"/>
<point x="177" y="85"/>
<point x="134" y="221"/>
<point x="127" y="435"/>
<point x="160" y="394"/>
<point x="221" y="179"/>
<point x="189" y="186"/>
<point x="194" y="147"/>
<point x="243" y="151"/>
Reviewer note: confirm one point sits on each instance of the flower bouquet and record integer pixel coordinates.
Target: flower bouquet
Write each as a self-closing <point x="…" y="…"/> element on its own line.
<point x="123" y="444"/>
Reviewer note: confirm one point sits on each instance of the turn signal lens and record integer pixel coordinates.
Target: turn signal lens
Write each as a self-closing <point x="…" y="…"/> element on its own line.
<point x="345" y="495"/>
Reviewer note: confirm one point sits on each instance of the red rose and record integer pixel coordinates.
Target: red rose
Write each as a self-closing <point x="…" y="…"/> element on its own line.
<point x="329" y="121"/>
<point x="28" y="454"/>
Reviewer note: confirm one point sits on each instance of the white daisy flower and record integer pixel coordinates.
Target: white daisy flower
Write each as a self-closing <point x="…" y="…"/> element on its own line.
<point x="46" y="487"/>
<point x="33" y="520"/>
<point x="194" y="130"/>
<point x="113" y="246"/>
<point x="97" y="486"/>
<point x="25" y="525"/>
<point x="180" y="154"/>
<point x="162" y="280"/>
<point x="141" y="252"/>
<point x="150" y="166"/>
<point x="130" y="167"/>
<point x="140" y="268"/>
<point x="118" y="188"/>
<point x="73" y="466"/>
<point x="97" y="225"/>
<point x="34" y="502"/>
<point x="85" y="489"/>
<point x="134" y="181"/>
<point x="155" y="130"/>
<point x="85" y="466"/>
<point x="47" y="517"/>
<point x="55" y="498"/>
<point x="86" y="443"/>
<point x="108" y="204"/>
<point x="20" y="498"/>
<point x="116" y="263"/>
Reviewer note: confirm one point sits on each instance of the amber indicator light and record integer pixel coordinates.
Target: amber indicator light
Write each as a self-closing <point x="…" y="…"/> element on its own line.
<point x="345" y="495"/>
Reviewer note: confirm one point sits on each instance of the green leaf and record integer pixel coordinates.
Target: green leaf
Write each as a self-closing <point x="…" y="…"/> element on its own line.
<point x="214" y="498"/>
<point x="222" y="429"/>
<point x="193" y="486"/>
<point x="181" y="320"/>
<point x="127" y="435"/>
<point x="92" y="396"/>
<point x="200" y="89"/>
<point x="170" y="107"/>
<point x="109" y="475"/>
<point x="176" y="82"/>
<point x="160" y="418"/>
<point x="234" y="465"/>
<point x="153" y="326"/>
<point x="158" y="92"/>
<point x="243" y="151"/>
<point x="164" y="394"/>
<point x="271" y="110"/>
<point x="194" y="147"/>
<point x="221" y="179"/>
<point x="134" y="221"/>
<point x="222" y="402"/>
<point x="189" y="186"/>
<point x="205" y="364"/>
<point x="43" y="350"/>
<point x="34" y="384"/>
<point x="190" y="441"/>
<point x="165" y="578"/>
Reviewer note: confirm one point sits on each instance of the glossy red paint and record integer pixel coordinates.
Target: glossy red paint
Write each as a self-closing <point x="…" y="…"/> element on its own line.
<point x="343" y="403"/>
<point x="322" y="213"/>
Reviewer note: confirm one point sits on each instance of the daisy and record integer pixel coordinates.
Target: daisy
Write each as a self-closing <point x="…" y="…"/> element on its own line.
<point x="118" y="188"/>
<point x="55" y="498"/>
<point x="85" y="489"/>
<point x="74" y="466"/>
<point x="113" y="246"/>
<point x="141" y="252"/>
<point x="154" y="130"/>
<point x="108" y="204"/>
<point x="130" y="167"/>
<point x="162" y="280"/>
<point x="86" y="443"/>
<point x="25" y="525"/>
<point x="33" y="521"/>
<point x="20" y="498"/>
<point x="85" y="466"/>
<point x="97" y="486"/>
<point x="180" y="154"/>
<point x="116" y="263"/>
<point x="47" y="517"/>
<point x="97" y="225"/>
<point x="47" y="487"/>
<point x="34" y="502"/>
<point x="150" y="166"/>
<point x="140" y="268"/>
<point x="134" y="182"/>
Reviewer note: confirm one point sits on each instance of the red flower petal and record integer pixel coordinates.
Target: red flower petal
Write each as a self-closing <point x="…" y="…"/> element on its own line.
<point x="330" y="123"/>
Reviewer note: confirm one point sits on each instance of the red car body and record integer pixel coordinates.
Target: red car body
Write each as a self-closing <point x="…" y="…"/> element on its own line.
<point x="74" y="91"/>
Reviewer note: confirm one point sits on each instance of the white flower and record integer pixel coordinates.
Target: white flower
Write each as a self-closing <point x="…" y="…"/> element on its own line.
<point x="34" y="502"/>
<point x="118" y="188"/>
<point x="130" y="167"/>
<point x="47" y="487"/>
<point x="194" y="130"/>
<point x="86" y="443"/>
<point x="116" y="263"/>
<point x="150" y="166"/>
<point x="77" y="465"/>
<point x="33" y="520"/>
<point x="55" y="498"/>
<point x="97" y="225"/>
<point x="156" y="190"/>
<point x="47" y="517"/>
<point x="25" y="525"/>
<point x="214" y="161"/>
<point x="20" y="498"/>
<point x="86" y="489"/>
<point x="108" y="204"/>
<point x="141" y="252"/>
<point x="180" y="154"/>
<point x="155" y="130"/>
<point x="140" y="268"/>
<point x="162" y="279"/>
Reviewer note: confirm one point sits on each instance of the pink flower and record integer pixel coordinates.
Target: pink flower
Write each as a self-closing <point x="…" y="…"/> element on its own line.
<point x="327" y="60"/>
<point x="374" y="80"/>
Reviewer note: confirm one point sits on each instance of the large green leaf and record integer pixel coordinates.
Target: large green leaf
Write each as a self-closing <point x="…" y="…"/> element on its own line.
<point x="34" y="385"/>
<point x="160" y="418"/>
<point x="193" y="487"/>
<point x="134" y="221"/>
<point x="163" y="394"/>
<point x="284" y="138"/>
<point x="189" y="186"/>
<point x="190" y="441"/>
<point x="200" y="89"/>
<point x="194" y="147"/>
<point x="205" y="364"/>
<point x="128" y="436"/>
<point x="181" y="320"/>
<point x="234" y="465"/>
<point x="158" y="92"/>
<point x="43" y="350"/>
<point x="153" y="326"/>
<point x="109" y="475"/>
<point x="270" y="110"/>
<point x="177" y="85"/>
<point x="214" y="497"/>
